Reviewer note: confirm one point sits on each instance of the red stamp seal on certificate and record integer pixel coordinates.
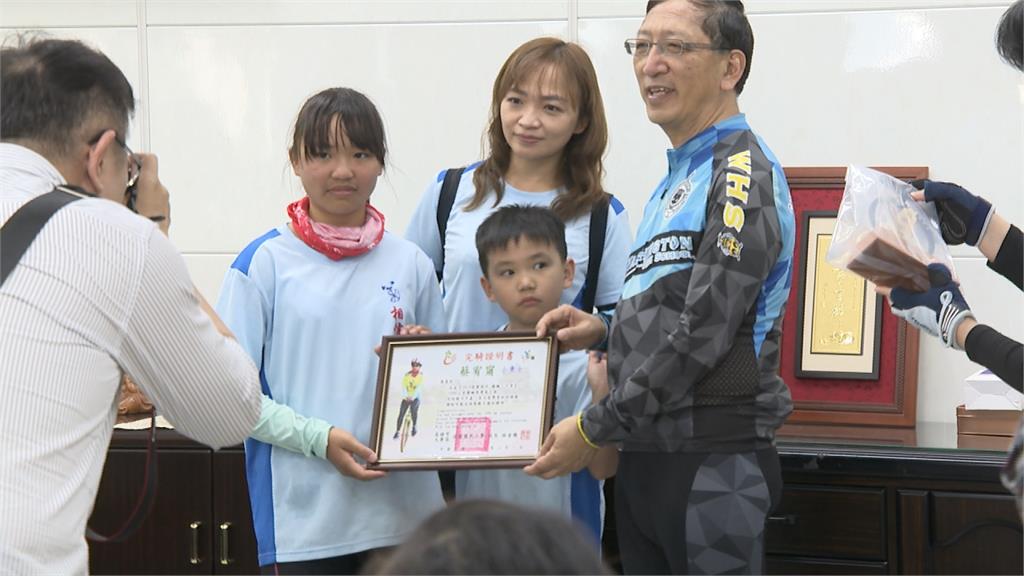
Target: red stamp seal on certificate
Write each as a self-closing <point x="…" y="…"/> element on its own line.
<point x="473" y="434"/>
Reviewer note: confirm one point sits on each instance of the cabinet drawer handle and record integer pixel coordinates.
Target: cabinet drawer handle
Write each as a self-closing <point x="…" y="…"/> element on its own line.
<point x="193" y="555"/>
<point x="225" y="556"/>
<point x="783" y="519"/>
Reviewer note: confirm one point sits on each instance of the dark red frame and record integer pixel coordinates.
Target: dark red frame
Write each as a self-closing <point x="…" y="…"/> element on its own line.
<point x="889" y="400"/>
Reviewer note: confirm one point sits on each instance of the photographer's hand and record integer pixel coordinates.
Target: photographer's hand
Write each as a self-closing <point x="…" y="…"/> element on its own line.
<point x="153" y="200"/>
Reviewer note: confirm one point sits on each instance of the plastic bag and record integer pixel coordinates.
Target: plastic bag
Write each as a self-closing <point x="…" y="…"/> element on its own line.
<point x="884" y="235"/>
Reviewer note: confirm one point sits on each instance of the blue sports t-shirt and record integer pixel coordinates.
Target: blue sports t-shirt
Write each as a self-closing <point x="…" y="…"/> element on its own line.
<point x="310" y="325"/>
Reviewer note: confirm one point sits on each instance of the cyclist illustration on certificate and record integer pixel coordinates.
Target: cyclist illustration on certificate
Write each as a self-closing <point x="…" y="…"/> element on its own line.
<point x="408" y="414"/>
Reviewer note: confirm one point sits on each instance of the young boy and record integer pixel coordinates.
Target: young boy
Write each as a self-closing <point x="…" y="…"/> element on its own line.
<point x="522" y="254"/>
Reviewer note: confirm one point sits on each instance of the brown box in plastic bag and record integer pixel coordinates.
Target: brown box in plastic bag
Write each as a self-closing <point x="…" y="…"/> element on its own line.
<point x="885" y="264"/>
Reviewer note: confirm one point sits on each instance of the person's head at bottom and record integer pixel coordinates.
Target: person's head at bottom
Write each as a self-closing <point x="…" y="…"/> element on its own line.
<point x="490" y="537"/>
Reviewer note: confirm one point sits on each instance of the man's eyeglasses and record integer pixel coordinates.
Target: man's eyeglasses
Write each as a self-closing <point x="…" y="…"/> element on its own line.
<point x="134" y="168"/>
<point x="638" y="47"/>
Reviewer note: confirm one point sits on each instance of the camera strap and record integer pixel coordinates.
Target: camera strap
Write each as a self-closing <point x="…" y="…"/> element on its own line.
<point x="16" y="235"/>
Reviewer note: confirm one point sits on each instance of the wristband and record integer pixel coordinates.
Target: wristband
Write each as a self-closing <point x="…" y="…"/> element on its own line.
<point x="579" y="425"/>
<point x="606" y="319"/>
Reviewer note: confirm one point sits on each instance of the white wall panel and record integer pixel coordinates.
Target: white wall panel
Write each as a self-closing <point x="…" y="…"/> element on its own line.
<point x="228" y="97"/>
<point x="893" y="88"/>
<point x="636" y="159"/>
<point x="902" y="82"/>
<point x="634" y="8"/>
<point x="121" y="45"/>
<point x="67" y="13"/>
<point x="320" y="12"/>
<point x="910" y="87"/>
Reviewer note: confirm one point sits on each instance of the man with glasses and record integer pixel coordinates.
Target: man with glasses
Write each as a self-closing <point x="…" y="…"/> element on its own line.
<point x="693" y="347"/>
<point x="99" y="291"/>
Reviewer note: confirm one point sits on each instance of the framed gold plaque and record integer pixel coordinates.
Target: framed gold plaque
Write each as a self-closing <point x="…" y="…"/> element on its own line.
<point x="839" y="317"/>
<point x="846" y="359"/>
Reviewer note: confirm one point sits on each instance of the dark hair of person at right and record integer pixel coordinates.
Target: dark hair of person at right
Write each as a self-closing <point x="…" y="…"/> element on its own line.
<point x="510" y="223"/>
<point x="1010" y="35"/>
<point x="491" y="537"/>
<point x="328" y="115"/>
<point x="725" y="23"/>
<point x="51" y="88"/>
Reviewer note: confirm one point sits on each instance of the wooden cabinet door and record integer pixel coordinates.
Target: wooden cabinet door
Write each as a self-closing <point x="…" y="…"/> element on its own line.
<point x="235" y="541"/>
<point x="176" y="537"/>
<point x="959" y="533"/>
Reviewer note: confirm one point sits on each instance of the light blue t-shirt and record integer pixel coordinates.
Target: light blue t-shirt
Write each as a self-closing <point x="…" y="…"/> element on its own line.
<point x="467" y="308"/>
<point x="310" y="325"/>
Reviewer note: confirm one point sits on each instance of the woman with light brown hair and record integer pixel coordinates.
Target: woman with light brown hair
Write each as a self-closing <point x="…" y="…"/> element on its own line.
<point x="546" y="137"/>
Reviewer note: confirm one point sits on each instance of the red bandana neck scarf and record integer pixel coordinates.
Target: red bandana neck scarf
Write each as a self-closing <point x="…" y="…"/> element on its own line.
<point x="336" y="242"/>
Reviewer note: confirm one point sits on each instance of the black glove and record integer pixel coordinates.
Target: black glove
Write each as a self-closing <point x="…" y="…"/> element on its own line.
<point x="939" y="311"/>
<point x="963" y="216"/>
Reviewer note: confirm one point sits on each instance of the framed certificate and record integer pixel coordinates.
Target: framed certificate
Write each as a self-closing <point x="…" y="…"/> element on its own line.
<point x="449" y="401"/>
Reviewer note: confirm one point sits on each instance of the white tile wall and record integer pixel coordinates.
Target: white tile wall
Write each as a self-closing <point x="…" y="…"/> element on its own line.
<point x="235" y="92"/>
<point x="635" y="8"/>
<point x="319" y="12"/>
<point x="121" y="45"/>
<point x="67" y="13"/>
<point x="906" y="82"/>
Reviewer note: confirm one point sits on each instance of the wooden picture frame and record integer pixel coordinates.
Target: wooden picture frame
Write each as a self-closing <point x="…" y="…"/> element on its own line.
<point x="888" y="398"/>
<point x="470" y="400"/>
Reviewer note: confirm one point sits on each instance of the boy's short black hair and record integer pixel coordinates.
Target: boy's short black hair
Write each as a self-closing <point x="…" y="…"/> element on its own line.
<point x="510" y="223"/>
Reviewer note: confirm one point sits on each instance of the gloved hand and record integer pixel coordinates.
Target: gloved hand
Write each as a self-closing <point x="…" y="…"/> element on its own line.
<point x="963" y="216"/>
<point x="938" y="311"/>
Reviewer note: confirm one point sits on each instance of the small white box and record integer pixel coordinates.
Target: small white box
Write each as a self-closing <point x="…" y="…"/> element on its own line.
<point x="985" y="391"/>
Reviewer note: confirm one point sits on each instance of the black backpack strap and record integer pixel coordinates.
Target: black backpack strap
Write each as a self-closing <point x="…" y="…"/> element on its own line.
<point x="598" y="228"/>
<point x="21" y="229"/>
<point x="445" y="201"/>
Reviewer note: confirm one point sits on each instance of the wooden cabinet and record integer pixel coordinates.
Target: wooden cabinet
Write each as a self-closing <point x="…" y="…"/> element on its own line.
<point x="849" y="509"/>
<point x="828" y="521"/>
<point x="199" y="523"/>
<point x="960" y="533"/>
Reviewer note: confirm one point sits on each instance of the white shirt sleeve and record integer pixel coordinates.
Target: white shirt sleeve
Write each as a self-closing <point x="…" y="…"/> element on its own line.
<point x="201" y="381"/>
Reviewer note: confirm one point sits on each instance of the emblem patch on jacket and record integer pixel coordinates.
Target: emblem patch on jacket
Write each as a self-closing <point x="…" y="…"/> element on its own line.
<point x="675" y="203"/>
<point x="730" y="245"/>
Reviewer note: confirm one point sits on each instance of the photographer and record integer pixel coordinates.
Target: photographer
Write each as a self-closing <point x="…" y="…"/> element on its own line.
<point x="99" y="292"/>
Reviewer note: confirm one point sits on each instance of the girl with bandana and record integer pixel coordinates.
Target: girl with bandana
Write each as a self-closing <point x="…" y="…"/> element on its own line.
<point x="308" y="301"/>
